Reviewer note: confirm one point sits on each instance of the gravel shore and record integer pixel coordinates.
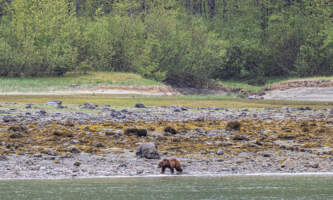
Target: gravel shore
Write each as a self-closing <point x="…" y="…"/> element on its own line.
<point x="62" y="141"/>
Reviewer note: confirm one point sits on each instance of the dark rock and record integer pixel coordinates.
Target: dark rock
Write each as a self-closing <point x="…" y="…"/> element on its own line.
<point x="178" y="108"/>
<point x="17" y="129"/>
<point x="98" y="144"/>
<point x="257" y="142"/>
<point x="117" y="114"/>
<point x="124" y="111"/>
<point x="8" y="118"/>
<point x="42" y="112"/>
<point x="240" y="138"/>
<point x="140" y="105"/>
<point x="122" y="165"/>
<point x="233" y="125"/>
<point x="171" y="130"/>
<point x="74" y="150"/>
<point x="89" y="106"/>
<point x="287" y="136"/>
<point x="304" y="108"/>
<point x="110" y="132"/>
<point x="314" y="165"/>
<point x="16" y="135"/>
<point x="3" y="158"/>
<point x="147" y="150"/>
<point x="105" y="109"/>
<point x="59" y="106"/>
<point x="62" y="133"/>
<point x="28" y="106"/>
<point x="308" y="108"/>
<point x="266" y="155"/>
<point x="135" y="131"/>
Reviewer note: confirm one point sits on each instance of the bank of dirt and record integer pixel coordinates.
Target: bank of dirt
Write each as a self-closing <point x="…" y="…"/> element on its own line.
<point x="309" y="90"/>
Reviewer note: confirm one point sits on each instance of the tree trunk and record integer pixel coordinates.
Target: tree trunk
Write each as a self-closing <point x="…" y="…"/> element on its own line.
<point x="188" y="6"/>
<point x="211" y="4"/>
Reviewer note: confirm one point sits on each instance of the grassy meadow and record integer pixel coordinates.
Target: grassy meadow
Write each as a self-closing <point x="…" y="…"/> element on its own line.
<point x="93" y="80"/>
<point x="73" y="81"/>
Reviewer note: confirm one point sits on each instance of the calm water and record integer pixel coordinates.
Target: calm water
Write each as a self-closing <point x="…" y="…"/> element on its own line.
<point x="191" y="188"/>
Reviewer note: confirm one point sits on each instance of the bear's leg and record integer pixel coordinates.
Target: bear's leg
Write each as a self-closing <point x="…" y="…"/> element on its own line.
<point x="179" y="169"/>
<point x="163" y="170"/>
<point x="172" y="170"/>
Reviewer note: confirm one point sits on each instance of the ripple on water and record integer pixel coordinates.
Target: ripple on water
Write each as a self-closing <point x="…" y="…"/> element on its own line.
<point x="181" y="187"/>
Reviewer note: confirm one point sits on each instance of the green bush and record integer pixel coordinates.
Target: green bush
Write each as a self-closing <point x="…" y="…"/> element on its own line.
<point x="184" y="54"/>
<point x="38" y="39"/>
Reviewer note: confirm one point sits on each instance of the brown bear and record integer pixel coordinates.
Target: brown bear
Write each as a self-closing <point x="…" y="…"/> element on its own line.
<point x="172" y="164"/>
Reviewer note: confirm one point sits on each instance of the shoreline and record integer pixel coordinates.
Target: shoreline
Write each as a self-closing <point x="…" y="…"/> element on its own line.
<point x="282" y="174"/>
<point x="91" y="142"/>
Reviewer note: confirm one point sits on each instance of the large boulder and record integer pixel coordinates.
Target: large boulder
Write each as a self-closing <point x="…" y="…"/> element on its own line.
<point x="233" y="126"/>
<point x="171" y="130"/>
<point x="8" y="118"/>
<point x="135" y="131"/>
<point x="140" y="105"/>
<point x="147" y="150"/>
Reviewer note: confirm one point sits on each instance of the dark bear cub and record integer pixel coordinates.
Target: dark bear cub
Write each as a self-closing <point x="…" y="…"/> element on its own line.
<point x="171" y="164"/>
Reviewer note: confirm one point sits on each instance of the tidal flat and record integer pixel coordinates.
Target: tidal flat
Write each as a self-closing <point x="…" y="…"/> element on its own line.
<point x="66" y="141"/>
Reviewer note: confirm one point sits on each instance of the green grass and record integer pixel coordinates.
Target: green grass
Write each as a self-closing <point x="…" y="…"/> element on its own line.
<point x="97" y="80"/>
<point x="92" y="80"/>
<point x="243" y="85"/>
<point x="191" y="101"/>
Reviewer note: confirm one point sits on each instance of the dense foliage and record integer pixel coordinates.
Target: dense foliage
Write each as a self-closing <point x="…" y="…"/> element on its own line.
<point x="183" y="42"/>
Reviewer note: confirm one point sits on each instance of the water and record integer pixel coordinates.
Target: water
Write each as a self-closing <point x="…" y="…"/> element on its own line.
<point x="191" y="188"/>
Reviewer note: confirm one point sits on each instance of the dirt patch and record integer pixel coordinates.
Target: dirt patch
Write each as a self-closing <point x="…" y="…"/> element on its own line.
<point x="306" y="90"/>
<point x="158" y="90"/>
<point x="301" y="94"/>
<point x="300" y="84"/>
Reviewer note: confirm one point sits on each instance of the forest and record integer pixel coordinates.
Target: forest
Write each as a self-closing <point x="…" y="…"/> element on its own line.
<point x="186" y="43"/>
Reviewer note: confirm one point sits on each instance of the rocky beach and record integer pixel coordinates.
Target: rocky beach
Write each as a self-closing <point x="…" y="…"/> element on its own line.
<point x="53" y="140"/>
